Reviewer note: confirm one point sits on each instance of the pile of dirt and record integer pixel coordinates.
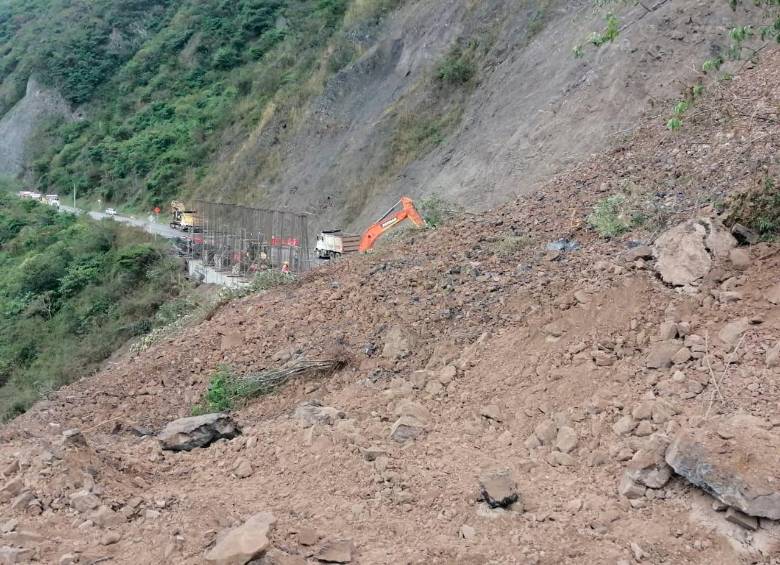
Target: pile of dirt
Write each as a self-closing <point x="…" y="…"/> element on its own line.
<point x="516" y="379"/>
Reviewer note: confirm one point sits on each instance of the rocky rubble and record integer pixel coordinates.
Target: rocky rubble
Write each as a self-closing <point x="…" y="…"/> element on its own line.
<point x="557" y="376"/>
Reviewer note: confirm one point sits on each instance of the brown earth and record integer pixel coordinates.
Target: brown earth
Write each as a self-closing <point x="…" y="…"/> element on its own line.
<point x="510" y="335"/>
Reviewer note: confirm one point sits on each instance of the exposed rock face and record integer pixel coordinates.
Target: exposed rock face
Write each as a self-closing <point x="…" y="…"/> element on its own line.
<point x="186" y="434"/>
<point x="717" y="465"/>
<point x="682" y="257"/>
<point x="20" y="123"/>
<point x="244" y="543"/>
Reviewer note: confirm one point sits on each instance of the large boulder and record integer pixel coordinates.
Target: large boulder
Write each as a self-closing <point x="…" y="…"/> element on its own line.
<point x="186" y="434"/>
<point x="681" y="253"/>
<point x="735" y="460"/>
<point x="244" y="543"/>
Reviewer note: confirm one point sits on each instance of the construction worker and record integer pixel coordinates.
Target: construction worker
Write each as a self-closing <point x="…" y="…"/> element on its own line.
<point x="286" y="268"/>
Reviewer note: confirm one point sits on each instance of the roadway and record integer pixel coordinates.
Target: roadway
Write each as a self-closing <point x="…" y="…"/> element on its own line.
<point x="163" y="230"/>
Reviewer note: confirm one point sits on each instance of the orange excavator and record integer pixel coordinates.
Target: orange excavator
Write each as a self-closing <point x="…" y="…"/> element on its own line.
<point x="404" y="209"/>
<point x="334" y="243"/>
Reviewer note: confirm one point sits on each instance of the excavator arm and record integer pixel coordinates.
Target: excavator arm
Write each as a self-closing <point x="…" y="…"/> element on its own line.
<point x="403" y="210"/>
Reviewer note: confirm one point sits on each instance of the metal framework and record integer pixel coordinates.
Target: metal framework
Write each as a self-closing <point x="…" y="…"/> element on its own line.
<point x="242" y="241"/>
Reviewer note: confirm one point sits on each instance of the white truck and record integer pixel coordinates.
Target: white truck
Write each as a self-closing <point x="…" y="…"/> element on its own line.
<point x="334" y="243"/>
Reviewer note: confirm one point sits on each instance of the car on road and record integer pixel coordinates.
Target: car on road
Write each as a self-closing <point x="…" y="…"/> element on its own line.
<point x="110" y="212"/>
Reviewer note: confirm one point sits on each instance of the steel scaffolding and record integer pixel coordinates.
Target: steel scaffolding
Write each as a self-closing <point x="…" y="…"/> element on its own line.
<point x="243" y="241"/>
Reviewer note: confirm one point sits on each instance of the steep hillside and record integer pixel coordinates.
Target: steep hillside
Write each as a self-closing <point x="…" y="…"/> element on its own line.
<point x="72" y="291"/>
<point x="509" y="385"/>
<point x="336" y="107"/>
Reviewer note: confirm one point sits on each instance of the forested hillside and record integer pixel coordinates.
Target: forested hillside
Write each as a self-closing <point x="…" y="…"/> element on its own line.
<point x="158" y="78"/>
<point x="72" y="291"/>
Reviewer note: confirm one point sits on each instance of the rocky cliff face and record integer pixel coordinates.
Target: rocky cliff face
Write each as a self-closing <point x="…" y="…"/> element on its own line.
<point x="514" y="124"/>
<point x="19" y="124"/>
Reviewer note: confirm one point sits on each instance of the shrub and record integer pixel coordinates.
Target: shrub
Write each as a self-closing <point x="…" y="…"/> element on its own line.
<point x="435" y="210"/>
<point x="510" y="245"/>
<point x="610" y="217"/>
<point x="758" y="208"/>
<point x="224" y="391"/>
<point x="458" y="67"/>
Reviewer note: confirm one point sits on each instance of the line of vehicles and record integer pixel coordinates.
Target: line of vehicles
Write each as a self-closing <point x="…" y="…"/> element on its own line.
<point x="331" y="244"/>
<point x="50" y="199"/>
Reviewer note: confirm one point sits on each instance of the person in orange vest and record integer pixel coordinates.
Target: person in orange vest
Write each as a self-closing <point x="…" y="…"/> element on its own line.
<point x="286" y="267"/>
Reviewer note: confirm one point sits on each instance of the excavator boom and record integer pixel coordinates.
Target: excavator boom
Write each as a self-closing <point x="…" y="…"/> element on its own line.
<point x="403" y="210"/>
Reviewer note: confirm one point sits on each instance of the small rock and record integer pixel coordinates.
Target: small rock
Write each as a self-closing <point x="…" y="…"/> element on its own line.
<point x="467" y="532"/>
<point x="682" y="356"/>
<point x="731" y="333"/>
<point x="546" y="431"/>
<point x="414" y="410"/>
<point x="661" y="354"/>
<point x="740" y="259"/>
<point x="773" y="356"/>
<point x="12" y="555"/>
<point x="73" y="438"/>
<point x="560" y="459"/>
<point x="447" y="374"/>
<point x="110" y="538"/>
<point x="643" y="410"/>
<point x="11" y="469"/>
<point x="667" y="331"/>
<point x="491" y="412"/>
<point x="773" y="294"/>
<point x="338" y="551"/>
<point x="312" y="412"/>
<point x="12" y="488"/>
<point x="308" y="536"/>
<point x="637" y="551"/>
<point x="406" y="428"/>
<point x="68" y="559"/>
<point x="639" y="252"/>
<point x="624" y="425"/>
<point x="9" y="526"/>
<point x="373" y="453"/>
<point x="718" y="506"/>
<point x="244" y="543"/>
<point x="744" y="235"/>
<point x="648" y="466"/>
<point x="741" y="519"/>
<point x="498" y="488"/>
<point x="644" y="429"/>
<point x="104" y="517"/>
<point x="630" y="489"/>
<point x="84" y="501"/>
<point x="186" y="434"/>
<point x="566" y="440"/>
<point x="242" y="468"/>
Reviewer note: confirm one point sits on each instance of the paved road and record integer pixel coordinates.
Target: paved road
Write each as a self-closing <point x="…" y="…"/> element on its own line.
<point x="162" y="230"/>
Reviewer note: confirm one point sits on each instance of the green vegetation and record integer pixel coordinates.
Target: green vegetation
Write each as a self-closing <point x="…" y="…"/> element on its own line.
<point x="166" y="83"/>
<point x="436" y="211"/>
<point x="72" y="292"/>
<point x="224" y="391"/>
<point x="510" y="245"/>
<point x="611" y="216"/>
<point x="758" y="209"/>
<point x="459" y="66"/>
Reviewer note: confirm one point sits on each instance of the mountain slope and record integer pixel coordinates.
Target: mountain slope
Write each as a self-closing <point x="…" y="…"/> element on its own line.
<point x="490" y="338"/>
<point x="336" y="107"/>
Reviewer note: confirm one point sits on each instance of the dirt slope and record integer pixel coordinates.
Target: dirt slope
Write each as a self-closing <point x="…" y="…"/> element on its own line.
<point x="511" y="334"/>
<point x="515" y="131"/>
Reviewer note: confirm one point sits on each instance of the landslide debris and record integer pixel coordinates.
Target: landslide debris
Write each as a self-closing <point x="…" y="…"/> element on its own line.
<point x="533" y="365"/>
